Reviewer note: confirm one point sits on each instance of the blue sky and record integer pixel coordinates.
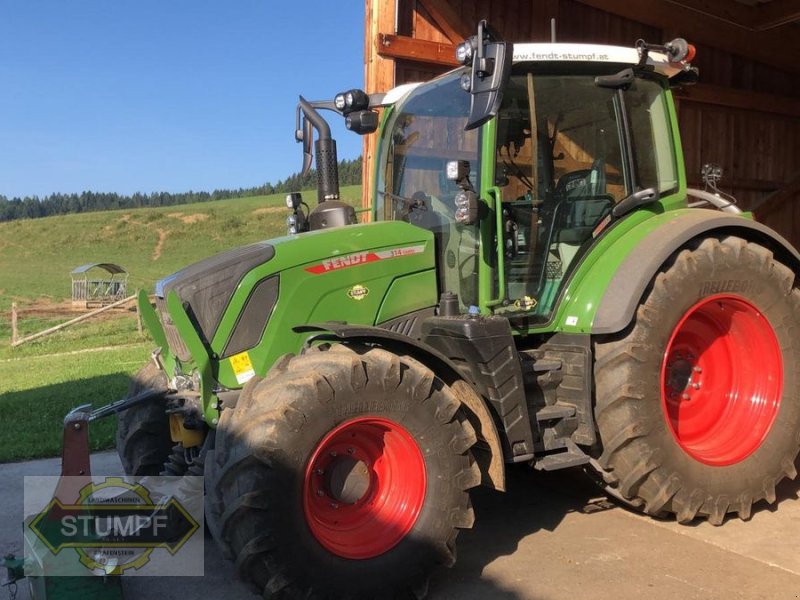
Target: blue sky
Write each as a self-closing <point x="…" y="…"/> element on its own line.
<point x="172" y="95"/>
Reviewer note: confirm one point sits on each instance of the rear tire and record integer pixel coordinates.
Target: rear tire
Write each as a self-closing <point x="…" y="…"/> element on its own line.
<point x="143" y="439"/>
<point x="276" y="506"/>
<point x="698" y="400"/>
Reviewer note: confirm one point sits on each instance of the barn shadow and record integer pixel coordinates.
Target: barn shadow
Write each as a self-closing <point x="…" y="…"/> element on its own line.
<point x="37" y="415"/>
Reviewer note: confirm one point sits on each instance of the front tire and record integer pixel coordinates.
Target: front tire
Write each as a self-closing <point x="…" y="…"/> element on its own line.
<point x="343" y="474"/>
<point x="143" y="440"/>
<point x="698" y="401"/>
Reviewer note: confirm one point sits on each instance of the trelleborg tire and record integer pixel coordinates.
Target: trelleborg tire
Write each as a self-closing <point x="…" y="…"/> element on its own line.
<point x="143" y="440"/>
<point x="342" y="474"/>
<point x="698" y="400"/>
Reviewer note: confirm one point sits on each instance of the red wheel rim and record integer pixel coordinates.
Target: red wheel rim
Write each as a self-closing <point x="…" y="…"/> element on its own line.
<point x="721" y="380"/>
<point x="364" y="487"/>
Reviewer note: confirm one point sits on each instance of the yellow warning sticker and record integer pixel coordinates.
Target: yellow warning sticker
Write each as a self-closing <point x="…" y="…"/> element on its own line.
<point x="242" y="367"/>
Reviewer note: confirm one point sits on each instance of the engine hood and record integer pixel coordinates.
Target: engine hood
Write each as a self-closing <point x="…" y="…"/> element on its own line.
<point x="208" y="285"/>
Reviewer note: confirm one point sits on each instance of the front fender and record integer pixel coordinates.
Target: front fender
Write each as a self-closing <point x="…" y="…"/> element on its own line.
<point x="491" y="459"/>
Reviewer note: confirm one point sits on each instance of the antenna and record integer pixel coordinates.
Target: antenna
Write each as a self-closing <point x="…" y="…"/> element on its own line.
<point x="552" y="31"/>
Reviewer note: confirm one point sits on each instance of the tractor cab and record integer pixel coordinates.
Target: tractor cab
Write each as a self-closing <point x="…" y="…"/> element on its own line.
<point x="579" y="136"/>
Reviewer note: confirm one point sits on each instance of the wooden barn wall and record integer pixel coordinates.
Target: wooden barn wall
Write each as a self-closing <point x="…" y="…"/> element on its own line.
<point x="759" y="150"/>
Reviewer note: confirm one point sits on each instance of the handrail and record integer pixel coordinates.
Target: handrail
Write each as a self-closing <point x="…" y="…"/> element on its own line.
<point x="497" y="196"/>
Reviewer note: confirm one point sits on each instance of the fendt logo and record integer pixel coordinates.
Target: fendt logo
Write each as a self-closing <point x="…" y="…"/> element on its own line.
<point x="116" y="525"/>
<point x="361" y="258"/>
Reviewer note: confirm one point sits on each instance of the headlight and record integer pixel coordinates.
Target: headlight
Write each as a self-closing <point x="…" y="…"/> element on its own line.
<point x="293" y="200"/>
<point x="466" y="207"/>
<point x="339" y="102"/>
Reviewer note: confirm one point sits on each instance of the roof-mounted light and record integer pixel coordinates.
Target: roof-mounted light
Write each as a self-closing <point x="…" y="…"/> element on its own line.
<point x="679" y="50"/>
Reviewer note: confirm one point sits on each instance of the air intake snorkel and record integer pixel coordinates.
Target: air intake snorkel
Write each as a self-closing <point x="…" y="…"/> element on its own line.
<point x="356" y="107"/>
<point x="330" y="211"/>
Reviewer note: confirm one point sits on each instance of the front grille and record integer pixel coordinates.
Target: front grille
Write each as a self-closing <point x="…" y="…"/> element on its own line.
<point x="174" y="340"/>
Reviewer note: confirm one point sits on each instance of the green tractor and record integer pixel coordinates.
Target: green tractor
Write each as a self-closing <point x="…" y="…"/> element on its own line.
<point x="536" y="285"/>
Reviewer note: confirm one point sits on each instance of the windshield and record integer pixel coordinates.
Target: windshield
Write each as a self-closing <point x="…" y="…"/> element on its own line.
<point x="567" y="152"/>
<point x="420" y="137"/>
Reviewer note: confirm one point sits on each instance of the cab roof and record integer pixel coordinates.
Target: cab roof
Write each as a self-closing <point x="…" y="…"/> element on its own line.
<point x="581" y="53"/>
<point x="593" y="53"/>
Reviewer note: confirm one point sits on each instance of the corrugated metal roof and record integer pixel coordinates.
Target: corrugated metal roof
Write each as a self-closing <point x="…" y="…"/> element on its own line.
<point x="110" y="267"/>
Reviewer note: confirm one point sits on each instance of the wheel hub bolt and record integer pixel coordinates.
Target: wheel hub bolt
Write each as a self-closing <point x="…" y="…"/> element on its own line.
<point x="334" y="505"/>
<point x="696" y="385"/>
<point x="697" y="369"/>
<point x="320" y="493"/>
<point x="350" y="450"/>
<point x="333" y="454"/>
<point x="686" y="397"/>
<point x="319" y="472"/>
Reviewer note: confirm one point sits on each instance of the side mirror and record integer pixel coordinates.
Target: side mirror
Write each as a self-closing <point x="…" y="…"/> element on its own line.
<point x="304" y="132"/>
<point x="491" y="60"/>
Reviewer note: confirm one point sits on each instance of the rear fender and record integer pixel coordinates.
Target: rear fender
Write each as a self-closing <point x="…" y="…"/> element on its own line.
<point x="617" y="306"/>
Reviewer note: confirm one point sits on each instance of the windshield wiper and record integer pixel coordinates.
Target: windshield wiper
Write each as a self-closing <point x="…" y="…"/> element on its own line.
<point x="616" y="81"/>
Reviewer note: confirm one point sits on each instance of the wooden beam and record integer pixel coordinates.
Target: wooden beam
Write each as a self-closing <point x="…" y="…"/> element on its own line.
<point x="379" y="74"/>
<point x="772" y="202"/>
<point x="403" y="47"/>
<point x="97" y="311"/>
<point x="776" y="13"/>
<point x="734" y="13"/>
<point x="447" y="19"/>
<point x="740" y="99"/>
<point x="769" y="47"/>
<point x="753" y="18"/>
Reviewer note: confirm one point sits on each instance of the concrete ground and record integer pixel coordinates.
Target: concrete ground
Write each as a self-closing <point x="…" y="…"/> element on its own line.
<point x="551" y="537"/>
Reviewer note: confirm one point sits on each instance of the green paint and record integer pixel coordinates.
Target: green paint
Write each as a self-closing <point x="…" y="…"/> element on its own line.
<point x="496" y="196"/>
<point x="153" y="325"/>
<point x="200" y="358"/>
<point x="406" y="294"/>
<point x="492" y="197"/>
<point x="317" y="270"/>
<point x="588" y="285"/>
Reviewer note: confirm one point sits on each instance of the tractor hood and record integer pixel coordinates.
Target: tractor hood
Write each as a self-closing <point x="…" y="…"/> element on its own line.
<point x="216" y="291"/>
<point x="208" y="285"/>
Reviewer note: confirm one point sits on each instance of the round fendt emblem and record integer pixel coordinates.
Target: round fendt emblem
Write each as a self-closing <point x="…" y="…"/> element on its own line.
<point x="357" y="292"/>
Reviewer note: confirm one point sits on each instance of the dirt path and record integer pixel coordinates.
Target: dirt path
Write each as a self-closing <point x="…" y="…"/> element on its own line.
<point x="162" y="236"/>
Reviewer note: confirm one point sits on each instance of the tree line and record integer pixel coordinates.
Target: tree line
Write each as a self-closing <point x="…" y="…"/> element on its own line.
<point x="33" y="207"/>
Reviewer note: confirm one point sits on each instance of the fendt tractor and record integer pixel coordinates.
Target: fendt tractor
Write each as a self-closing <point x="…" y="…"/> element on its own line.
<point x="536" y="285"/>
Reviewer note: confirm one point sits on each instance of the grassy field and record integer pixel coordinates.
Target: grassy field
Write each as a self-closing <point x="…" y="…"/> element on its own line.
<point x="37" y="255"/>
<point x="41" y="381"/>
<point x="37" y="391"/>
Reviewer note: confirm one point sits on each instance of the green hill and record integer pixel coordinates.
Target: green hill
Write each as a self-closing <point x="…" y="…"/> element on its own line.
<point x="37" y="255"/>
<point x="92" y="362"/>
